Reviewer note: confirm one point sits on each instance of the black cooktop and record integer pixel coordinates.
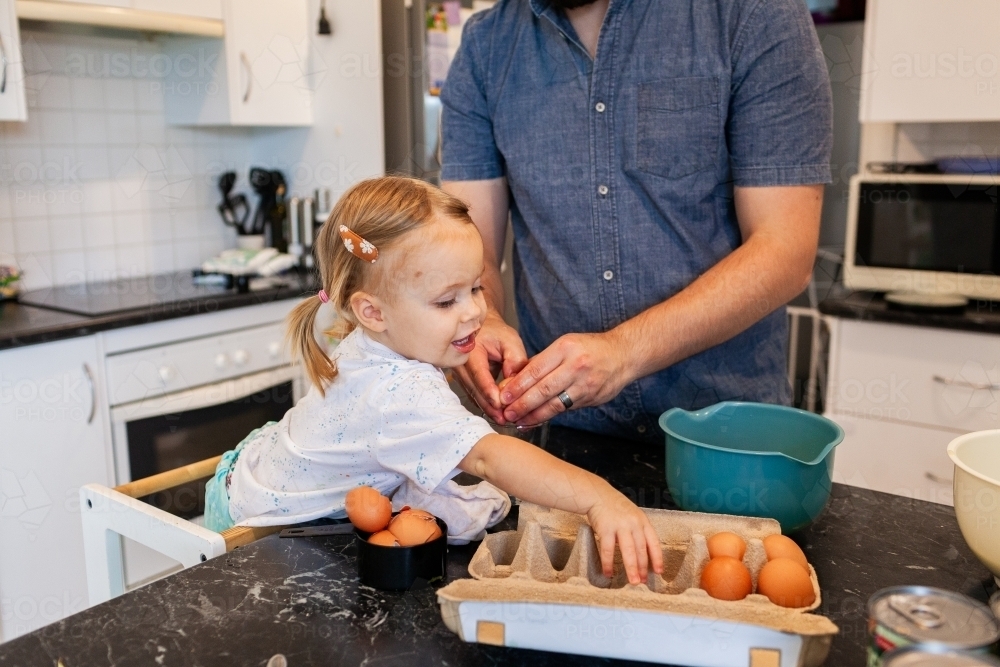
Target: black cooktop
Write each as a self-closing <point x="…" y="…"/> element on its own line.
<point x="126" y="294"/>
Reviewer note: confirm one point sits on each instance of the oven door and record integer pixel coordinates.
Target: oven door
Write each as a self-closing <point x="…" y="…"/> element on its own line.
<point x="161" y="433"/>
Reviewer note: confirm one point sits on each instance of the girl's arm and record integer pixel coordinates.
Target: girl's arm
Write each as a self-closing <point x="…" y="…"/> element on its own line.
<point x="532" y="474"/>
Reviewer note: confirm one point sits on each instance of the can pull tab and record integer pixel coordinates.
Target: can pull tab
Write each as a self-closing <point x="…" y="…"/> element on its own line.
<point x="923" y="616"/>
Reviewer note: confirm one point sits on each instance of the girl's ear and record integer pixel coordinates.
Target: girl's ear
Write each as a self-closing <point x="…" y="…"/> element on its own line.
<point x="368" y="309"/>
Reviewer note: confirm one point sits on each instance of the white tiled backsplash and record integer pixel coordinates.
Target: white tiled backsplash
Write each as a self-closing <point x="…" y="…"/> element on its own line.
<point x="96" y="185"/>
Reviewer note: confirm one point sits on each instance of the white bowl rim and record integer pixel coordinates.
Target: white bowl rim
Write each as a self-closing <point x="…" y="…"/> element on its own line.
<point x="957" y="443"/>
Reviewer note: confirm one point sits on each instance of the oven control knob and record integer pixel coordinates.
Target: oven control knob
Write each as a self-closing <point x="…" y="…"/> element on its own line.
<point x="240" y="357"/>
<point x="166" y="373"/>
<point x="220" y="360"/>
<point x="274" y="349"/>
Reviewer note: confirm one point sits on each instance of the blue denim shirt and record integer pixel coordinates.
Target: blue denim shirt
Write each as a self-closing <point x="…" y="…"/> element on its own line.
<point x="621" y="169"/>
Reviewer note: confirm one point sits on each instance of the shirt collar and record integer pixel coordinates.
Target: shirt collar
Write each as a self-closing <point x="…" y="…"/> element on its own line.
<point x="375" y="347"/>
<point x="545" y="8"/>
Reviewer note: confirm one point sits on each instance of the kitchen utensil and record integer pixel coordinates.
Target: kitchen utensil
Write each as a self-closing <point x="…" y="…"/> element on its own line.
<point x="977" y="494"/>
<point x="752" y="459"/>
<point x="269" y="217"/>
<point x="233" y="208"/>
<point x="396" y="568"/>
<point x="318" y="531"/>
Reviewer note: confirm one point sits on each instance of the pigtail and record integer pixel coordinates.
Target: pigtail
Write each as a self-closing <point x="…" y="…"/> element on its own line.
<point x="302" y="339"/>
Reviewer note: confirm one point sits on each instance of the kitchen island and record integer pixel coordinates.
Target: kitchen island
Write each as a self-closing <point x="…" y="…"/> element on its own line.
<point x="301" y="597"/>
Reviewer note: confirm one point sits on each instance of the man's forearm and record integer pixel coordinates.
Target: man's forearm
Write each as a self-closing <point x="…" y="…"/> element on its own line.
<point x="773" y="266"/>
<point x="493" y="288"/>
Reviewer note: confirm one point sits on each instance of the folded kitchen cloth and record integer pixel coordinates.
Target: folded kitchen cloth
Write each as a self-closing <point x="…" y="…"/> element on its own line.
<point x="468" y="510"/>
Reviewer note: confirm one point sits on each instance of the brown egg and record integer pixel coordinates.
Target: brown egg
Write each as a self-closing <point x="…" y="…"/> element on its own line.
<point x="779" y="546"/>
<point x="413" y="527"/>
<point x="368" y="509"/>
<point x="383" y="538"/>
<point x="726" y="544"/>
<point x="725" y="578"/>
<point x="785" y="583"/>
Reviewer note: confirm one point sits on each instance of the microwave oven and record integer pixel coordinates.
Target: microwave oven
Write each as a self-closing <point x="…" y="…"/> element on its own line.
<point x="924" y="238"/>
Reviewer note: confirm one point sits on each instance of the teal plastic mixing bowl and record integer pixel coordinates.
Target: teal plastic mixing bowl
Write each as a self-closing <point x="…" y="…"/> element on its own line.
<point x="752" y="459"/>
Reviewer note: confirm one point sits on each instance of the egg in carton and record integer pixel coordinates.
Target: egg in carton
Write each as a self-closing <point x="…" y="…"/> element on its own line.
<point x="542" y="587"/>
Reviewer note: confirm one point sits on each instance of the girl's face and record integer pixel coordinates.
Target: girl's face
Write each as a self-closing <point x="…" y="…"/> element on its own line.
<point x="435" y="304"/>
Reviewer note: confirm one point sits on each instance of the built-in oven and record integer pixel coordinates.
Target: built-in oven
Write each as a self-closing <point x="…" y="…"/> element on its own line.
<point x="187" y="401"/>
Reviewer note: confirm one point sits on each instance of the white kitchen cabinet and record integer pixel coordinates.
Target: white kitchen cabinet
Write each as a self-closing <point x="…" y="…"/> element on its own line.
<point x="52" y="441"/>
<point x="931" y="60"/>
<point x="902" y="393"/>
<point x="258" y="74"/>
<point x="12" y="100"/>
<point x="896" y="458"/>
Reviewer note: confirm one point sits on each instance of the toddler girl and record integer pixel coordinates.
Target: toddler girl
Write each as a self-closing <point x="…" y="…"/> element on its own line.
<point x="401" y="262"/>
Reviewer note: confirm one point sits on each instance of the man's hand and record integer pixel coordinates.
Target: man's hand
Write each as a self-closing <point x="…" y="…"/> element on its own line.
<point x="590" y="368"/>
<point x="496" y="345"/>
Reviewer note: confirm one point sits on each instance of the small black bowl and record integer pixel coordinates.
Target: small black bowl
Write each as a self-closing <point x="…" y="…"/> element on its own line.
<point x="396" y="568"/>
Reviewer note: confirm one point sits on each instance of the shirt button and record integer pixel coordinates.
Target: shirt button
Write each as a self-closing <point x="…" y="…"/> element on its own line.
<point x="608" y="275"/>
<point x="600" y="107"/>
<point x="602" y="190"/>
<point x="641" y="428"/>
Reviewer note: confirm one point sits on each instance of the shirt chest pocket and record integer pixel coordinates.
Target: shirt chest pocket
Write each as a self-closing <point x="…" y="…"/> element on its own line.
<point x="677" y="129"/>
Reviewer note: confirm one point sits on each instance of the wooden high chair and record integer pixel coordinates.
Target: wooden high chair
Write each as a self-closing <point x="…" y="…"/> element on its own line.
<point x="110" y="514"/>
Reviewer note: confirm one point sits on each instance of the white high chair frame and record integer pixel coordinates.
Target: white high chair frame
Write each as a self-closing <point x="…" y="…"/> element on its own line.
<point x="110" y="514"/>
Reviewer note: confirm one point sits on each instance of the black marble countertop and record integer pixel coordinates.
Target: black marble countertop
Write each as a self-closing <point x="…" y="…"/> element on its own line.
<point x="301" y="597"/>
<point x="982" y="316"/>
<point x="131" y="301"/>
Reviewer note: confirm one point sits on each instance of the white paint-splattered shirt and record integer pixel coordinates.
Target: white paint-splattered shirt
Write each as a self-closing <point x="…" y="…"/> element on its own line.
<point x="384" y="419"/>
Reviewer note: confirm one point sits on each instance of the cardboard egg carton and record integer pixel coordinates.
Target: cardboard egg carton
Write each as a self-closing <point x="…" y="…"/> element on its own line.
<point x="542" y="586"/>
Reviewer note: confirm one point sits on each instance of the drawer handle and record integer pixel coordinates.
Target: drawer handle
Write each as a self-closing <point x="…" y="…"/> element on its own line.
<point x="249" y="70"/>
<point x="938" y="478"/>
<point x="93" y="392"/>
<point x="3" y="57"/>
<point x="988" y="386"/>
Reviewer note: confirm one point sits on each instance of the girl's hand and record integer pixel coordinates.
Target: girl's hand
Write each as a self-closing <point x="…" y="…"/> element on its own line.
<point x="496" y="343"/>
<point x="616" y="519"/>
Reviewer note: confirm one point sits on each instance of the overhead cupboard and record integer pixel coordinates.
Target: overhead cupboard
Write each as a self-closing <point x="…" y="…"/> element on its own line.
<point x="12" y="98"/>
<point x="931" y="61"/>
<point x="227" y="62"/>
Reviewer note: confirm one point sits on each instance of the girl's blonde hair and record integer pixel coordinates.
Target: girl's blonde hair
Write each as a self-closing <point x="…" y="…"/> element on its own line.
<point x="382" y="211"/>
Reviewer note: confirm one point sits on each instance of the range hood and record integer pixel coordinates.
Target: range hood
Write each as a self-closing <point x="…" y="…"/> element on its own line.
<point x="122" y="18"/>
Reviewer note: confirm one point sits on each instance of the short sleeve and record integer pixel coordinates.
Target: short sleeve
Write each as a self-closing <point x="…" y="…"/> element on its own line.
<point x="468" y="149"/>
<point x="425" y="431"/>
<point x="780" y="115"/>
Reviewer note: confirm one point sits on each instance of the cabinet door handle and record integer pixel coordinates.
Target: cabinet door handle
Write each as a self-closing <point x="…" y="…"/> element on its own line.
<point x="93" y="392"/>
<point x="246" y="65"/>
<point x="988" y="386"/>
<point x="3" y="58"/>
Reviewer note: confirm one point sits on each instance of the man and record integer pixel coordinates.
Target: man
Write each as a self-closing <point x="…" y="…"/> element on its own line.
<point x="662" y="163"/>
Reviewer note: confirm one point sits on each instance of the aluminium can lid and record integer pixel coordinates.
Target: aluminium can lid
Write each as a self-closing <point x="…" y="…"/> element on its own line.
<point x="931" y="615"/>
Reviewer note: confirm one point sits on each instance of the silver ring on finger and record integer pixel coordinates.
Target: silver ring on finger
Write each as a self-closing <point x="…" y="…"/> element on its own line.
<point x="565" y="400"/>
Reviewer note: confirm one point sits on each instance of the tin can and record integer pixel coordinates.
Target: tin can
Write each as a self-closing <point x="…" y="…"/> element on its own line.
<point x="908" y="615"/>
<point x="936" y="656"/>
